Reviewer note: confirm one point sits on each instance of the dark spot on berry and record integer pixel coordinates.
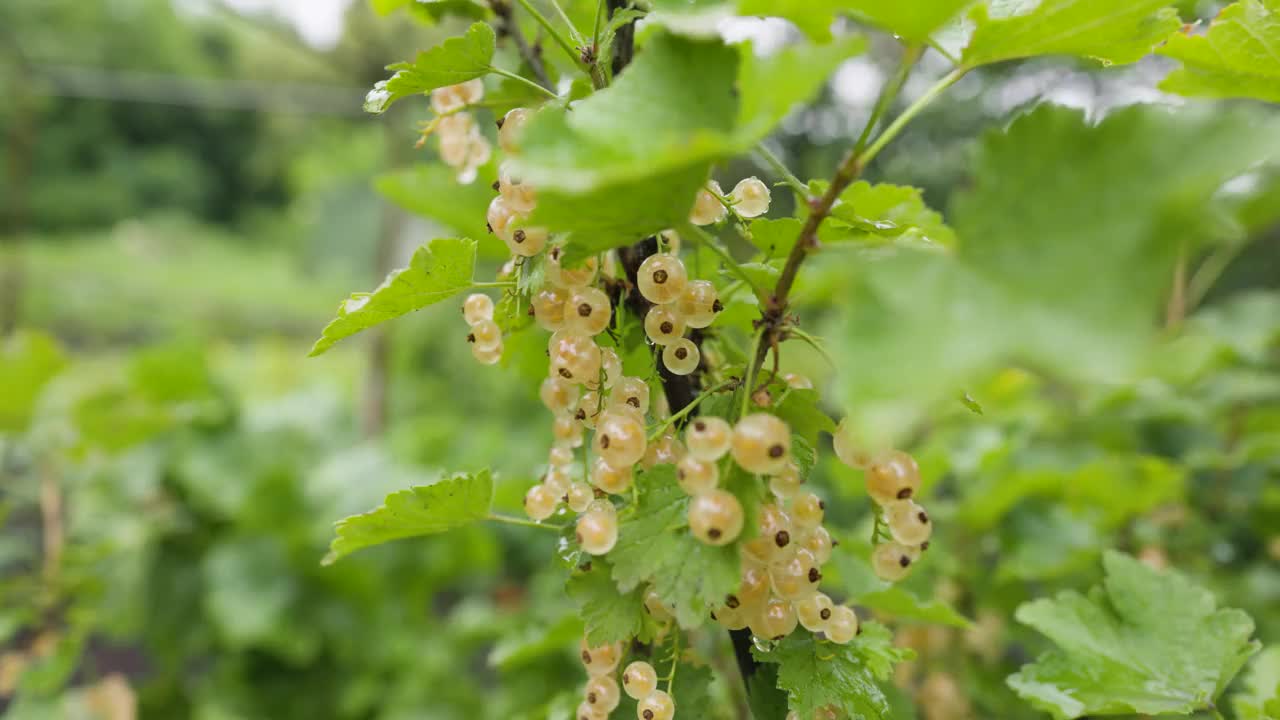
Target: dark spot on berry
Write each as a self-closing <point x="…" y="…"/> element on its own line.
<point x="496" y="185"/>
<point x="626" y="678"/>
<point x="584" y="310"/>
<point x="731" y="601"/>
<point x="564" y="373"/>
<point x="500" y="121"/>
<point x="519" y="237"/>
<point x="904" y="561"/>
<point x="585" y="567"/>
<point x="822" y="504"/>
<point x="648" y="715"/>
<point x="713" y="615"/>
<point x="680" y="473"/>
<point x="604" y="441"/>
<point x="555" y="253"/>
<point x="778" y="637"/>
<point x="717" y="306"/>
<point x="825" y="613"/>
<point x="471" y="337"/>
<point x="783" y="538"/>
<point x="633" y="402"/>
<point x="581" y="414"/>
<point x="859" y="631"/>
<point x="681" y="353"/>
<point x="923" y="517"/>
<point x="660" y="277"/>
<point x="924" y="546"/>
<point x="834" y="542"/>
<point x="591" y="698"/>
<point x="531" y="313"/>
<point x="666" y="327"/>
<point x="904" y="493"/>
<point x="814" y="575"/>
<point x="586" y="658"/>
<point x="714" y="533"/>
<point x="777" y="451"/>
<point x="489" y="227"/>
<point x="700" y="426"/>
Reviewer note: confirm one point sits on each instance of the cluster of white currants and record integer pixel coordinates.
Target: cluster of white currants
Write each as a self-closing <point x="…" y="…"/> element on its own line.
<point x="485" y="337"/>
<point x="892" y="480"/>
<point x="678" y="304"/>
<point x="509" y="211"/>
<point x="749" y="198"/>
<point x="462" y="146"/>
<point x="639" y="680"/>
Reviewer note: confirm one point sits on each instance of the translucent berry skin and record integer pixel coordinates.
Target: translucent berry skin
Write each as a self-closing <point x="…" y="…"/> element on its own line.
<point x="601" y="660"/>
<point x="588" y="408"/>
<point x="587" y="311"/>
<point x="548" y="308"/>
<point x="569" y="277"/>
<point x="733" y="618"/>
<point x="797" y="577"/>
<point x="487" y="357"/>
<point x="681" y="357"/>
<point x="639" y="679"/>
<point x="699" y="303"/>
<point x="818" y="542"/>
<point x="597" y="532"/>
<point x="807" y="510"/>
<point x="619" y="439"/>
<point x="850" y="451"/>
<point x="558" y="395"/>
<point x="663" y="325"/>
<point x="512" y="124"/>
<point x="610" y="368"/>
<point x="696" y="476"/>
<point x="477" y="308"/>
<point x="751" y="197"/>
<point x="892" y="476"/>
<point x="815" y="611"/>
<point x="708" y="438"/>
<point x="666" y="450"/>
<point x="892" y="561"/>
<point x="499" y="217"/>
<point x="602" y="693"/>
<point x="579" y="496"/>
<point x="558" y="480"/>
<point x="657" y="705"/>
<point x="574" y="357"/>
<point x="715" y="517"/>
<point x="662" y="278"/>
<point x="567" y="431"/>
<point x="775" y="620"/>
<point x="560" y="456"/>
<point x="908" y="522"/>
<point x="633" y="393"/>
<point x="585" y="711"/>
<point x="610" y="479"/>
<point x="786" y="483"/>
<point x="540" y="502"/>
<point x="525" y="241"/>
<point x="657" y="609"/>
<point x="797" y="381"/>
<point x="707" y="208"/>
<point x="843" y="625"/>
<point x="761" y="444"/>
<point x="485" y="335"/>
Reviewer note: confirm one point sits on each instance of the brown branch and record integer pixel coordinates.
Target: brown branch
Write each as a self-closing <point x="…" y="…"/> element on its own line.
<point x="507" y="27"/>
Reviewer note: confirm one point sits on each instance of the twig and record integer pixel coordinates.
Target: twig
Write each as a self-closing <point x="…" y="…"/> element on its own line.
<point x="780" y="168"/>
<point x="687" y="409"/>
<point x="555" y="34"/>
<point x="507" y="26"/>
<point x="910" y="56"/>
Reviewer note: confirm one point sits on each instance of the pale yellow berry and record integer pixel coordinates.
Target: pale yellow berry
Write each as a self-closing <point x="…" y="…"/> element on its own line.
<point x="577" y="276"/>
<point x="559" y="456"/>
<point x="620" y="439"/>
<point x="601" y="660"/>
<point x="708" y="438"/>
<point x="892" y="561"/>
<point x="639" y="679"/>
<point x="843" y="625"/>
<point x="715" y="517"/>
<point x="807" y="510"/>
<point x="892" y="476"/>
<point x="672" y="240"/>
<point x="523" y="240"/>
<point x="663" y="325"/>
<point x="557" y="394"/>
<point x="908" y="522"/>
<point x="696" y="476"/>
<point x="813" y="611"/>
<point x="796" y="577"/>
<point x="611" y="364"/>
<point x="512" y="124"/>
<point x="602" y="693"/>
<point x="699" y="303"/>
<point x="733" y="618"/>
<point x="548" y="308"/>
<point x="666" y="450"/>
<point x="610" y="479"/>
<point x="656" y="608"/>
<point x="586" y="712"/>
<point x="478" y="307"/>
<point x="774" y="620"/>
<point x="500" y="217"/>
<point x="471" y="91"/>
<point x="707" y="208"/>
<point x="786" y="483"/>
<point x="597" y="532"/>
<point x="540" y="502"/>
<point x="761" y="443"/>
<point x="579" y="497"/>
<point x="754" y="587"/>
<point x="662" y="278"/>
<point x="588" y="408"/>
<point x="575" y="357"/>
<point x="558" y="479"/>
<point x="487" y="357"/>
<point x="775" y="525"/>
<point x="818" y="542"/>
<point x="849" y="448"/>
<point x="631" y="392"/>
<point x="657" y="705"/>
<point x="485" y="335"/>
<point x="750" y="197"/>
<point x="588" y="311"/>
<point x="797" y="381"/>
<point x="681" y="357"/>
<point x="567" y="431"/>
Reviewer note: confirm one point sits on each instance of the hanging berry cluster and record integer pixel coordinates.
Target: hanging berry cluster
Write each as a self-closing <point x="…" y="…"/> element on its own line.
<point x="462" y="146"/>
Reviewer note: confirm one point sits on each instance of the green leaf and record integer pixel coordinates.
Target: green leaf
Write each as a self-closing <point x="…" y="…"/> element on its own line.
<point x="912" y="21"/>
<point x="1144" y="642"/>
<point x="1106" y="30"/>
<point x="432" y="190"/>
<point x="771" y="86"/>
<point x="610" y="616"/>
<point x="855" y="577"/>
<point x="799" y="408"/>
<point x="656" y="547"/>
<point x="878" y="213"/>
<point x="815" y="673"/>
<point x="775" y="238"/>
<point x="1046" y="256"/>
<point x="1238" y="57"/>
<point x="531" y="643"/>
<point x="454" y="61"/>
<point x="452" y="502"/>
<point x="28" y="361"/>
<point x="1260" y="698"/>
<point x="437" y="271"/>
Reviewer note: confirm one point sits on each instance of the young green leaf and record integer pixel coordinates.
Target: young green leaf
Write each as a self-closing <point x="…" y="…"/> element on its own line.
<point x="1145" y="642"/>
<point x="771" y="86"/>
<point x="610" y="616"/>
<point x="775" y="237"/>
<point x="437" y="271"/>
<point x="1105" y="30"/>
<point x="454" y="61"/>
<point x="815" y="673"/>
<point x="911" y="21"/>
<point x="452" y="502"/>
<point x="882" y="212"/>
<point x="1238" y="57"/>
<point x="433" y="191"/>
<point x="1260" y="698"/>
<point x="656" y="547"/>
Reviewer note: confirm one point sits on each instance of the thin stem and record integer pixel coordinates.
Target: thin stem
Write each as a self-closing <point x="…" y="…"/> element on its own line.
<point x="782" y="171"/>
<point x="690" y="230"/>
<point x="507" y="24"/>
<point x="555" y="34"/>
<point x="1176" y="309"/>
<point x="942" y="51"/>
<point x="910" y="113"/>
<point x="815" y="343"/>
<point x="509" y="520"/>
<point x="573" y="31"/>
<point x="757" y="344"/>
<point x="1203" y="279"/>
<point x="684" y="412"/>
<point x="595" y="32"/>
<point x="494" y="284"/>
<point x="675" y="658"/>
<point x="887" y="94"/>
<point x="525" y="80"/>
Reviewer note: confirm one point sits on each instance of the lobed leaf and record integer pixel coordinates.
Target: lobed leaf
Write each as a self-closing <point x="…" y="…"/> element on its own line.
<point x="1238" y="57"/>
<point x="1105" y="30"/>
<point x="454" y="61"/>
<point x="610" y="616"/>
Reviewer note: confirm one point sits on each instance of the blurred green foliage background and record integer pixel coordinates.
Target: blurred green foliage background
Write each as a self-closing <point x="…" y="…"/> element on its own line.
<point x="187" y="191"/>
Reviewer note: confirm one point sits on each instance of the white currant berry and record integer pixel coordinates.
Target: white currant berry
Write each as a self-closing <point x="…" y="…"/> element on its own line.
<point x="500" y="217"/>
<point x="819" y="542"/>
<point x="736" y="617"/>
<point x="908" y="522"/>
<point x="796" y="577"/>
<point x="774" y="620"/>
<point x="681" y="357"/>
<point x="786" y="482"/>
<point x="525" y="241"/>
<point x="520" y="196"/>
<point x="575" y="357"/>
<point x="586" y="712"/>
<point x="560" y="456"/>
<point x="708" y="438"/>
<point x="662" y="278"/>
<point x="602" y="692"/>
<point x="892" y="561"/>
<point x="697" y="476"/>
<point x="548" y="308"/>
<point x="478" y="307"/>
<point x="707" y="208"/>
<point x="657" y="705"/>
<point x="447" y="99"/>
<point x="663" y="325"/>
<point x="666" y="450"/>
<point x="775" y="525"/>
<point x="485" y="335"/>
<point x="699" y="303"/>
<point x="797" y="381"/>
<point x="715" y="517"/>
<point x="569" y="277"/>
<point x="610" y="479"/>
<point x="567" y="431"/>
<point x="814" y="611"/>
<point x="611" y="366"/>
<point x="490" y="356"/>
<point x="843" y="625"/>
<point x="601" y="660"/>
<point x="631" y="392"/>
<point x="620" y="439"/>
<point x="848" y="448"/>
<point x="807" y="510"/>
<point x="479" y="151"/>
<point x="750" y="197"/>
<point x="761" y="444"/>
<point x="471" y="91"/>
<point x="509" y="130"/>
<point x="579" y="496"/>
<point x="588" y="408"/>
<point x="557" y="394"/>
<point x="596" y="532"/>
<point x="588" y="311"/>
<point x="558" y="478"/>
<point x="892" y="476"/>
<point x="671" y="240"/>
<point x="639" y="679"/>
<point x="656" y="608"/>
<point x="540" y="502"/>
